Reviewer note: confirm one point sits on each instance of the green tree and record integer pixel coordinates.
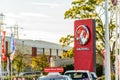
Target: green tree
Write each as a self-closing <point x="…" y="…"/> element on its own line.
<point x="18" y="63"/>
<point x="69" y="53"/>
<point x="65" y="41"/>
<point x="39" y="62"/>
<point x="94" y="9"/>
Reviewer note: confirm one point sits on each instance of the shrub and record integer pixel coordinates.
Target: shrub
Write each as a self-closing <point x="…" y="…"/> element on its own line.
<point x="103" y="77"/>
<point x="99" y="70"/>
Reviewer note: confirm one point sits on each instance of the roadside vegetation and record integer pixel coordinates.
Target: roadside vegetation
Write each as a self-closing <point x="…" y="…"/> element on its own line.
<point x="92" y="9"/>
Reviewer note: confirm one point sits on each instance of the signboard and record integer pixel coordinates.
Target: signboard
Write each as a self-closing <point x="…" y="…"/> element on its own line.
<point x="54" y="69"/>
<point x="84" y="45"/>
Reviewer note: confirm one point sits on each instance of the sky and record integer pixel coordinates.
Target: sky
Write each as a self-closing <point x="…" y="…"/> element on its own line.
<point x="38" y="19"/>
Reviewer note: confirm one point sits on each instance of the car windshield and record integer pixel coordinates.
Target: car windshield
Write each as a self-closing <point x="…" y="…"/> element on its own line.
<point x="77" y="75"/>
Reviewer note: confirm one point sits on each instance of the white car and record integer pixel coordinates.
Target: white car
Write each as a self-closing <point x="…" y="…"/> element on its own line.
<point x="79" y="74"/>
<point x="54" y="76"/>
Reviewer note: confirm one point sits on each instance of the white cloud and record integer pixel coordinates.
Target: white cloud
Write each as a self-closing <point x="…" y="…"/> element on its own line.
<point x="22" y="15"/>
<point x="12" y="15"/>
<point x="51" y="5"/>
<point x="34" y="14"/>
<point x="10" y="22"/>
<point x="41" y="35"/>
<point x="13" y="18"/>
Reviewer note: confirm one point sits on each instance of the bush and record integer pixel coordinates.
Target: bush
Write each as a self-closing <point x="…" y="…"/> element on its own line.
<point x="103" y="77"/>
<point x="99" y="70"/>
<point x="20" y="77"/>
<point x="68" y="67"/>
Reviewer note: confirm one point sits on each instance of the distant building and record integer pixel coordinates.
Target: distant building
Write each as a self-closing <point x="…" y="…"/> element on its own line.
<point x="36" y="47"/>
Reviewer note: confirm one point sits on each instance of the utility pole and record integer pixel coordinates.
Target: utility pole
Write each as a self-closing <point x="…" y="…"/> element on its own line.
<point x="107" y="55"/>
<point x="15" y="30"/>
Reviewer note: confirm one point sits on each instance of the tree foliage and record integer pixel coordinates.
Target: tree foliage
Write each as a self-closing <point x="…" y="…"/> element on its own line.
<point x="93" y="9"/>
<point x="65" y="41"/>
<point x="69" y="53"/>
<point x="39" y="62"/>
<point x="18" y="63"/>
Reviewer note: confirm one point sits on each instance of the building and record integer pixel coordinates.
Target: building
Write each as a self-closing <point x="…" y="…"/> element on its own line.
<point x="34" y="48"/>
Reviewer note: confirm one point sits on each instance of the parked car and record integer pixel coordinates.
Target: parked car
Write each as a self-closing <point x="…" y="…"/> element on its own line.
<point x="30" y="73"/>
<point x="94" y="76"/>
<point x="54" y="76"/>
<point x="79" y="74"/>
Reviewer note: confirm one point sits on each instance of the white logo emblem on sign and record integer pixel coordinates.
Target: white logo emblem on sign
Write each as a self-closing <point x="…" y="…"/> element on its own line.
<point x="82" y="34"/>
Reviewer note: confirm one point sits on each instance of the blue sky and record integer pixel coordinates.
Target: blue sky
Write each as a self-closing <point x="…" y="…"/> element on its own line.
<point x="40" y="19"/>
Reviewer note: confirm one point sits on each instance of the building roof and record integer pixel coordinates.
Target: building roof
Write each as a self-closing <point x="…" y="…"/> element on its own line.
<point x="38" y="43"/>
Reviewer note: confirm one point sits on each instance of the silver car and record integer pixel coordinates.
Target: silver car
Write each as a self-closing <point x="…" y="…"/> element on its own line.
<point x="54" y="76"/>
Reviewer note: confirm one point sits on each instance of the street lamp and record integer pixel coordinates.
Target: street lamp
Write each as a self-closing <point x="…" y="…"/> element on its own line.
<point x="1" y="23"/>
<point x="2" y="17"/>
